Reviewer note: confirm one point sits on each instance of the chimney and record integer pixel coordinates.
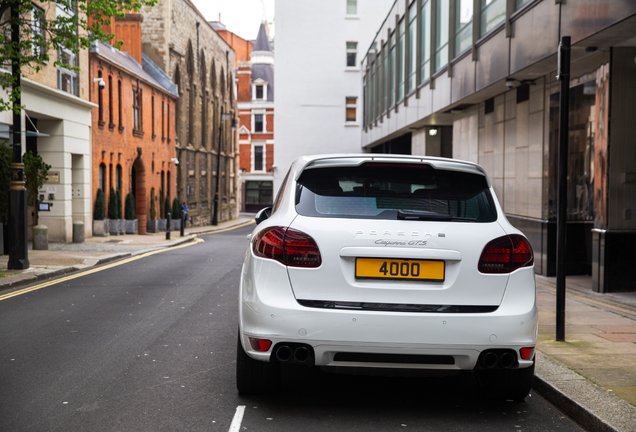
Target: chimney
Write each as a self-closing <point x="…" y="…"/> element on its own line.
<point x="128" y="30"/>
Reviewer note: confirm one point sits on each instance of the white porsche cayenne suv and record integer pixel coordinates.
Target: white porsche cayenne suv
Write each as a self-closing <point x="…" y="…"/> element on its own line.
<point x="387" y="262"/>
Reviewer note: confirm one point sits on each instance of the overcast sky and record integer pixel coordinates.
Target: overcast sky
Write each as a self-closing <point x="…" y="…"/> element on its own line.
<point x="242" y="17"/>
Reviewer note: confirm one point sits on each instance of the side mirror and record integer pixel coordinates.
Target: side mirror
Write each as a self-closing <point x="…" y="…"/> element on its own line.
<point x="262" y="215"/>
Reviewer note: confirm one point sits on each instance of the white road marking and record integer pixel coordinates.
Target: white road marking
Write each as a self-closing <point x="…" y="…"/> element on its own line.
<point x="238" y="418"/>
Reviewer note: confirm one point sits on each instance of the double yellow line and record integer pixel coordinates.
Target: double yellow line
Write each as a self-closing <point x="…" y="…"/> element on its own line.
<point x="118" y="263"/>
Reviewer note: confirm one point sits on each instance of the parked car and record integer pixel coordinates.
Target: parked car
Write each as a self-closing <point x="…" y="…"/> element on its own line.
<point x="388" y="261"/>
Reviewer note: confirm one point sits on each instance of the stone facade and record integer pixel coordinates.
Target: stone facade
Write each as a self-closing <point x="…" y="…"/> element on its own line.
<point x="178" y="38"/>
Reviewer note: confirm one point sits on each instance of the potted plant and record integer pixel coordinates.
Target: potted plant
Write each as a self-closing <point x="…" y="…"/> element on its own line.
<point x="176" y="215"/>
<point x="162" y="216"/>
<point x="129" y="211"/>
<point x="113" y="215"/>
<point x="153" y="225"/>
<point x="101" y="227"/>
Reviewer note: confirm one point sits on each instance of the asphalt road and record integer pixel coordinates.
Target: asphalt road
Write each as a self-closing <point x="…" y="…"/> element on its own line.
<point x="150" y="346"/>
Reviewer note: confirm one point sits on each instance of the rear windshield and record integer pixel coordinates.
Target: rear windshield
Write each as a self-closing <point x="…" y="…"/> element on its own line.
<point x="392" y="191"/>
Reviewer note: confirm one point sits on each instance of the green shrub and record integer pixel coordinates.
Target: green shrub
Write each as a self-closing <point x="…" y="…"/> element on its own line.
<point x="161" y="215"/>
<point x="112" y="204"/>
<point x="36" y="173"/>
<point x="153" y="212"/>
<point x="130" y="206"/>
<point x="100" y="206"/>
<point x="176" y="209"/>
<point x="119" y="213"/>
<point x="167" y="208"/>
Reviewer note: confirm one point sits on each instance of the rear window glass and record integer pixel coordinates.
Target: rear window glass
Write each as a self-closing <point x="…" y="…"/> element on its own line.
<point x="392" y="191"/>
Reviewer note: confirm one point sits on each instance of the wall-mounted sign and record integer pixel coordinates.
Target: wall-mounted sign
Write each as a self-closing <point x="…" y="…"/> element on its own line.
<point x="51" y="189"/>
<point x="54" y="177"/>
<point x="44" y="206"/>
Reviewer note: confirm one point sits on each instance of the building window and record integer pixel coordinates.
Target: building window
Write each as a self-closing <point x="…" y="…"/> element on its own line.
<point x="425" y="42"/>
<point x="102" y="177"/>
<point x="352" y="7"/>
<point x="258" y="158"/>
<point x="385" y="81"/>
<point x="258" y="195"/>
<point x="121" y="109"/>
<point x="441" y="36"/>
<point x="137" y="113"/>
<point x="493" y="12"/>
<point x="258" y="123"/>
<point x="259" y="92"/>
<point x="401" y="59"/>
<point x="412" y="55"/>
<point x="352" y="53"/>
<point x="118" y="178"/>
<point x="37" y="32"/>
<point x="67" y="76"/>
<point x="520" y="3"/>
<point x="100" y="99"/>
<point x="111" y="123"/>
<point x="163" y="121"/>
<point x="352" y="107"/>
<point x="392" y="64"/>
<point x="168" y="113"/>
<point x="152" y="115"/>
<point x="463" y="25"/>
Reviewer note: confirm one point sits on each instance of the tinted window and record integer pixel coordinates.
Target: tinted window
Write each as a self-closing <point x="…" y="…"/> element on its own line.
<point x="394" y="191"/>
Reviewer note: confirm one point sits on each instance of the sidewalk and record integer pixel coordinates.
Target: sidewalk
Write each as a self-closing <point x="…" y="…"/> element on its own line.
<point x="62" y="258"/>
<point x="592" y="375"/>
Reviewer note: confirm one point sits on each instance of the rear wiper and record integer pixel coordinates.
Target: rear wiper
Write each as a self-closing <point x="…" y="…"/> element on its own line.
<point x="430" y="216"/>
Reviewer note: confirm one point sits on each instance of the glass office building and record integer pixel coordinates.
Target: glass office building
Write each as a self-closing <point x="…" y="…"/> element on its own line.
<point x="476" y="80"/>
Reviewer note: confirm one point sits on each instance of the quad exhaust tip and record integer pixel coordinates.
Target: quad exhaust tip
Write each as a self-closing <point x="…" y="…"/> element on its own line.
<point x="294" y="353"/>
<point x="502" y="359"/>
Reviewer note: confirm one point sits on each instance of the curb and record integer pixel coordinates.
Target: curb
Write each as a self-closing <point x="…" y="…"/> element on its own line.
<point x="591" y="406"/>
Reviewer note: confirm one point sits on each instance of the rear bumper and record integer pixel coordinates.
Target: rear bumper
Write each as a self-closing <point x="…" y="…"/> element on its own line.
<point x="268" y="310"/>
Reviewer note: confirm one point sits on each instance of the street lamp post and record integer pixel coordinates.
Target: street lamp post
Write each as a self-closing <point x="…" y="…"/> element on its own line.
<point x="18" y="250"/>
<point x="224" y="116"/>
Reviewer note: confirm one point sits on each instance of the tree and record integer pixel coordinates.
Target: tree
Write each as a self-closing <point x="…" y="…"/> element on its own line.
<point x="167" y="207"/>
<point x="130" y="207"/>
<point x="41" y="34"/>
<point x="153" y="212"/>
<point x="119" y="214"/>
<point x="176" y="209"/>
<point x="35" y="175"/>
<point x="100" y="206"/>
<point x="112" y="204"/>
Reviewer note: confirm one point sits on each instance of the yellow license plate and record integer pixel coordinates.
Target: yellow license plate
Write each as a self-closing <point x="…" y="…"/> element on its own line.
<point x="379" y="268"/>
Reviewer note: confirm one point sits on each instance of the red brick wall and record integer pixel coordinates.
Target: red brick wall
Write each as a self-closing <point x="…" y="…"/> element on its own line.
<point x="118" y="145"/>
<point x="244" y="84"/>
<point x="245" y="157"/>
<point x="269" y="157"/>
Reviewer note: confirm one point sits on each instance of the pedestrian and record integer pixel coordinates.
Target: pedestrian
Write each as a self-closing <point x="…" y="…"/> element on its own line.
<point x="184" y="209"/>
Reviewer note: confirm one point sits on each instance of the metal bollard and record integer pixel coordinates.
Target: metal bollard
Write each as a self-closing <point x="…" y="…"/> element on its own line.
<point x="182" y="224"/>
<point x="168" y="226"/>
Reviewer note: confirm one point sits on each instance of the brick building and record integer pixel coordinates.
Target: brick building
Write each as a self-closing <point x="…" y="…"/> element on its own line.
<point x="178" y="38"/>
<point x="134" y="124"/>
<point x="57" y="126"/>
<point x="242" y="47"/>
<point x="256" y="133"/>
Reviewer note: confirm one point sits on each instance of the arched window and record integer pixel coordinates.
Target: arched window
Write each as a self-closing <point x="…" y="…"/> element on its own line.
<point x="168" y="185"/>
<point x="100" y="99"/>
<point x="102" y="177"/>
<point x="204" y="101"/>
<point x="118" y="179"/>
<point x="110" y="101"/>
<point x="177" y="81"/>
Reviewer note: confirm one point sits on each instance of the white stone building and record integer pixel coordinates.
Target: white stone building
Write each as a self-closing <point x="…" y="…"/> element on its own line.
<point x="319" y="48"/>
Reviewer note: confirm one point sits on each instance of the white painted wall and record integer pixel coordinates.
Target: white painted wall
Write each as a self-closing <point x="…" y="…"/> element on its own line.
<point x="312" y="80"/>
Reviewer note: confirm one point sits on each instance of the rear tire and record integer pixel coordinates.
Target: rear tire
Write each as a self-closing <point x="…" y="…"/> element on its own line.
<point x="254" y="376"/>
<point x="506" y="384"/>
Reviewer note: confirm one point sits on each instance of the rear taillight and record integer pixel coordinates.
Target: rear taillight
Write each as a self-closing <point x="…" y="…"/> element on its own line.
<point x="506" y="254"/>
<point x="288" y="246"/>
